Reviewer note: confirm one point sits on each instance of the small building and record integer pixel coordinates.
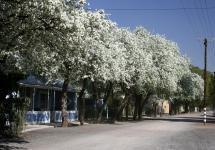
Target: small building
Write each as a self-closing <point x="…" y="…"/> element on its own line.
<point x="162" y="107"/>
<point x="45" y="106"/>
<point x="164" y="104"/>
<point x="157" y="106"/>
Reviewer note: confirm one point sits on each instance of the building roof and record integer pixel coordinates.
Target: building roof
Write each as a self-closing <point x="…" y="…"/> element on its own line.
<point x="38" y="82"/>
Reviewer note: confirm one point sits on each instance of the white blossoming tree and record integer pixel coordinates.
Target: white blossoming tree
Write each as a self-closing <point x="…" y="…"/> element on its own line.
<point x="59" y="39"/>
<point x="191" y="87"/>
<point x="167" y="66"/>
<point x="43" y="37"/>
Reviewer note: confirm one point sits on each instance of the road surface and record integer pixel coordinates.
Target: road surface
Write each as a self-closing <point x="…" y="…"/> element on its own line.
<point x="184" y="132"/>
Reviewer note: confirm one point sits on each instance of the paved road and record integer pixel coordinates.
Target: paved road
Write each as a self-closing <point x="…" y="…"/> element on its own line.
<point x="171" y="133"/>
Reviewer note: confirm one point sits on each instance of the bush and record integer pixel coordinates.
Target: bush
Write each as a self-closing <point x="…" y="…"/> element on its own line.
<point x="149" y="111"/>
<point x="12" y="115"/>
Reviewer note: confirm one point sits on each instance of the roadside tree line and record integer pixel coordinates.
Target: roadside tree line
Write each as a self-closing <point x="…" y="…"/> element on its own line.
<point x="61" y="40"/>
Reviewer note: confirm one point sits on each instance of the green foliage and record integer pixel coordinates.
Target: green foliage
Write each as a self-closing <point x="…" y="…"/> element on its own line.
<point x="13" y="110"/>
<point x="149" y="111"/>
<point x="210" y="84"/>
<point x="197" y="70"/>
<point x="211" y="91"/>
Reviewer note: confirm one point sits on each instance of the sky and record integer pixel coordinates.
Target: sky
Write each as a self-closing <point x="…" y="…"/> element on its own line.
<point x="186" y="22"/>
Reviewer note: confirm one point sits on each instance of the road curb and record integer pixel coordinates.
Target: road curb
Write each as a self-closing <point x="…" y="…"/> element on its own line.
<point x="35" y="127"/>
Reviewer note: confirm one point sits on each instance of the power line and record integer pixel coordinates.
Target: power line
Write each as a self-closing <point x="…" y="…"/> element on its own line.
<point x="210" y="24"/>
<point x="202" y="26"/>
<point x="160" y="9"/>
<point x="200" y="19"/>
<point x="204" y="19"/>
<point x="208" y="18"/>
<point x="195" y="27"/>
<point x="192" y="25"/>
<point x="211" y="33"/>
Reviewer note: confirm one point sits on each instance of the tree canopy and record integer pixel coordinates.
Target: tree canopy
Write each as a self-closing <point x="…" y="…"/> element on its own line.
<point x="60" y="39"/>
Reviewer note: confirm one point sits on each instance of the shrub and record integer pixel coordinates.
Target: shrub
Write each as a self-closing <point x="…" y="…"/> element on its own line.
<point x="12" y="114"/>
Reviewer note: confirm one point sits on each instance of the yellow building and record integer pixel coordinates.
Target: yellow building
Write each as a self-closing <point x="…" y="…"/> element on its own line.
<point x="165" y="107"/>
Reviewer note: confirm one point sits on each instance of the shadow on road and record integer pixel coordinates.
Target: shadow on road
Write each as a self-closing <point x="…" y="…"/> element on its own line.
<point x="7" y="143"/>
<point x="7" y="147"/>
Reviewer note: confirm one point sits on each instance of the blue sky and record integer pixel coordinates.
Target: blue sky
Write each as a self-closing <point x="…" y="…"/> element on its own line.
<point x="186" y="27"/>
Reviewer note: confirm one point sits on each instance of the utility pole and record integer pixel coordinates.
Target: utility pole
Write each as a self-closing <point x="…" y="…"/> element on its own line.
<point x="214" y="97"/>
<point x="205" y="79"/>
<point x="205" y="72"/>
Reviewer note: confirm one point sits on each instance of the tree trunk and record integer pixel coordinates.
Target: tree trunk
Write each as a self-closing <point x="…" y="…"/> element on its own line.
<point x="81" y="103"/>
<point x="95" y="98"/>
<point x="186" y="105"/>
<point x="137" y="106"/>
<point x="144" y="102"/>
<point x="126" y="111"/>
<point x="155" y="110"/>
<point x="64" y="103"/>
<point x="108" y="92"/>
<point x="140" y="109"/>
<point x="121" y="108"/>
<point x="124" y="103"/>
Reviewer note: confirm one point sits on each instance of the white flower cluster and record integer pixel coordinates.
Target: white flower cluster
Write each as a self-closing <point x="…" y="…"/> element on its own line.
<point x="13" y="95"/>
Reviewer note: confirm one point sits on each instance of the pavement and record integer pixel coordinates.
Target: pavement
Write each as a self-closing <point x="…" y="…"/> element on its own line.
<point x="187" y="117"/>
<point x="183" y="132"/>
<point x="29" y="128"/>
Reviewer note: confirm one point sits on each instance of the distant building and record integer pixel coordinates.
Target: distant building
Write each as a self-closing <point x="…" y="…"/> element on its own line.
<point x="157" y="106"/>
<point x="164" y="106"/>
<point x="45" y="104"/>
